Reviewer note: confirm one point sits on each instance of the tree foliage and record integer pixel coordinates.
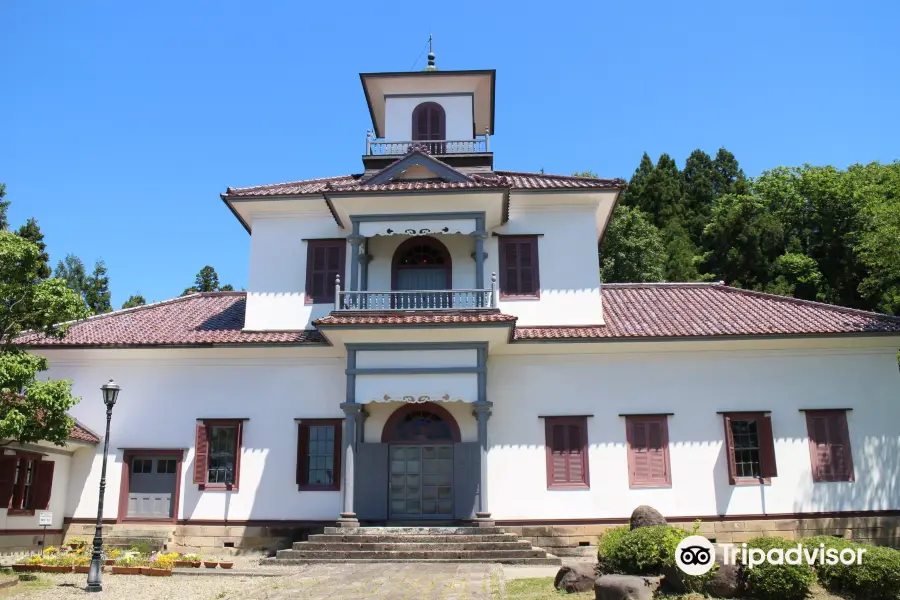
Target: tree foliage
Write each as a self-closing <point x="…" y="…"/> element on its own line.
<point x="632" y="249"/>
<point x="134" y="300"/>
<point x="93" y="288"/>
<point x="207" y="280"/>
<point x="818" y="233"/>
<point x="32" y="409"/>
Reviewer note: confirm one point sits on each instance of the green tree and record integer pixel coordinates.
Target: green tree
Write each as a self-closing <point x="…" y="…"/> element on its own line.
<point x="72" y="271"/>
<point x="879" y="244"/>
<point x="680" y="251"/>
<point x="207" y="280"/>
<point x="638" y="182"/>
<point x="585" y="174"/>
<point x="632" y="249"/>
<point x="700" y="177"/>
<point x="134" y="300"/>
<point x="31" y="232"/>
<point x="96" y="293"/>
<point x="4" y="206"/>
<point x="730" y="178"/>
<point x="227" y="288"/>
<point x="32" y="409"/>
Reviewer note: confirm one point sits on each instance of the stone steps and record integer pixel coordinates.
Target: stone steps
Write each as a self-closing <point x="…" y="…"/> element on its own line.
<point x="420" y="539"/>
<point x="483" y="555"/>
<point x="548" y="560"/>
<point x="413" y="544"/>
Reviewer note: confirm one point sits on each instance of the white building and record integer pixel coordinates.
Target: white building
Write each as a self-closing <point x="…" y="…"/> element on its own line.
<point x="430" y="340"/>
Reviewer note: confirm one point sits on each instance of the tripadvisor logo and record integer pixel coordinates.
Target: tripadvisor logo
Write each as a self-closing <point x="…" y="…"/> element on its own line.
<point x="695" y="555"/>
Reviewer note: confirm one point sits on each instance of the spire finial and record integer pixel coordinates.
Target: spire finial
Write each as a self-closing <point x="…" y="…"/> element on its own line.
<point x="430" y="66"/>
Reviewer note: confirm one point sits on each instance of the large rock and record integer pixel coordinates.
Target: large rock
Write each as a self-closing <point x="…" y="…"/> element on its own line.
<point x="578" y="577"/>
<point x="625" y="587"/>
<point x="726" y="581"/>
<point x="646" y="516"/>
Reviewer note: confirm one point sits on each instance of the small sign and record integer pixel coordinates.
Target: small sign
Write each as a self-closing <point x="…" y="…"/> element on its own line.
<point x="45" y="518"/>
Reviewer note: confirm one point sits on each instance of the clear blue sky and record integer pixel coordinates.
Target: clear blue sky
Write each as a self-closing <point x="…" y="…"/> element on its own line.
<point x="122" y="122"/>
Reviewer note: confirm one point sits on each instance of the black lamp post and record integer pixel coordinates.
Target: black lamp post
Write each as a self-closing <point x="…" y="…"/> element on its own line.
<point x="110" y="393"/>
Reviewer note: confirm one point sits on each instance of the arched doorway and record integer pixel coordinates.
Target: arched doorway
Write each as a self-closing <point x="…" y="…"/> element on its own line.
<point x="421" y="438"/>
<point x="421" y="263"/>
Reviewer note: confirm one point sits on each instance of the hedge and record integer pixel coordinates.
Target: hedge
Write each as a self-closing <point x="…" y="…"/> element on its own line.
<point x="777" y="582"/>
<point x="877" y="578"/>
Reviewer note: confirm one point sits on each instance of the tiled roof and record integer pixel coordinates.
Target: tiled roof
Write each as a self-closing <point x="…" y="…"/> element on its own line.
<point x="83" y="434"/>
<point x="709" y="310"/>
<point x="498" y="179"/>
<point x="442" y="318"/>
<point x="202" y="319"/>
<point x="631" y="311"/>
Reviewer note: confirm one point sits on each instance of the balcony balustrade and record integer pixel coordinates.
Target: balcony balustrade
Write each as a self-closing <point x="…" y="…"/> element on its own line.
<point x="428" y="300"/>
<point x="377" y="147"/>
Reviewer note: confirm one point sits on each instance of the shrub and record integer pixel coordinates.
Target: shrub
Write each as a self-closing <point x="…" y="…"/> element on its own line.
<point x="163" y="562"/>
<point x="877" y="578"/>
<point x="640" y="551"/>
<point x="777" y="582"/>
<point x="127" y="561"/>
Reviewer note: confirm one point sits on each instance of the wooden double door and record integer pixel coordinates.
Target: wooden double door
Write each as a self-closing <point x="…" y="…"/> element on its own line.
<point x="421" y="481"/>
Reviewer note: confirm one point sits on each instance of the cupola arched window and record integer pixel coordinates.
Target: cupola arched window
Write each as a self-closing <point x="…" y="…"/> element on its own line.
<point x="429" y="123"/>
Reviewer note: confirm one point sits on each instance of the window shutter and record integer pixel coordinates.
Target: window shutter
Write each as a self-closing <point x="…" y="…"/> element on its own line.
<point x="324" y="264"/>
<point x="201" y="454"/>
<point x="575" y="466"/>
<point x="640" y="458"/>
<point x="656" y="453"/>
<point x="519" y="266"/>
<point x="767" y="447"/>
<point x="302" y="460"/>
<point x="729" y="450"/>
<point x="7" y="478"/>
<point x="843" y="434"/>
<point x="560" y="456"/>
<point x="43" y="484"/>
<point x="818" y="439"/>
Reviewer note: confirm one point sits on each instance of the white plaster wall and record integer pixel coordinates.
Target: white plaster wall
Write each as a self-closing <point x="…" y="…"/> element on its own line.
<point x="277" y="280"/>
<point x="372" y="359"/>
<point x="693" y="386"/>
<point x="569" y="267"/>
<point x="162" y="398"/>
<point x="398" y="116"/>
<point x="379" y="412"/>
<point x="58" y="493"/>
<point x="460" y="247"/>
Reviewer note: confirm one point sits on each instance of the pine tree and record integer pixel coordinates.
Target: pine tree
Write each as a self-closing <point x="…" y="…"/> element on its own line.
<point x="134" y="300"/>
<point x="4" y="206"/>
<point x="96" y="294"/>
<point x="680" y="251"/>
<point x="730" y="177"/>
<point x="700" y="192"/>
<point x="637" y="182"/>
<point x="31" y="232"/>
<point x="72" y="272"/>
<point x="207" y="280"/>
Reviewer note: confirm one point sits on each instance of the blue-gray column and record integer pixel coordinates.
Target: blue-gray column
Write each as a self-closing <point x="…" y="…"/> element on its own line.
<point x="482" y="412"/>
<point x="364" y="260"/>
<point x="355" y="241"/>
<point x="480" y="235"/>
<point x="351" y="416"/>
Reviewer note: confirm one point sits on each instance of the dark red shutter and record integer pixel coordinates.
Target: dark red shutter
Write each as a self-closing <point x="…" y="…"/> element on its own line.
<point x="42" y="485"/>
<point x="558" y="450"/>
<point x="201" y="454"/>
<point x="429" y="122"/>
<point x="302" y="457"/>
<point x="656" y="452"/>
<point x="519" y="266"/>
<point x="7" y="479"/>
<point x="648" y="451"/>
<point x="829" y="446"/>
<point x="640" y="458"/>
<point x="729" y="450"/>
<point x="842" y="437"/>
<point x="325" y="263"/>
<point x="766" y="446"/>
<point x="574" y="448"/>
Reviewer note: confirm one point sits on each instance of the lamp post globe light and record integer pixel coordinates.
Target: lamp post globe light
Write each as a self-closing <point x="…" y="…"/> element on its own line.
<point x="110" y="393"/>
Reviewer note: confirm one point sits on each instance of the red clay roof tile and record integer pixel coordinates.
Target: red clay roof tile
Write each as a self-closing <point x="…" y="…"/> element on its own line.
<point x="83" y="434"/>
<point x="497" y="179"/>
<point x="709" y="310"/>
<point x="631" y="311"/>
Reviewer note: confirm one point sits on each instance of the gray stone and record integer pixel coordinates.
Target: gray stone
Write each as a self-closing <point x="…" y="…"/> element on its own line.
<point x="625" y="587"/>
<point x="726" y="581"/>
<point x="646" y="516"/>
<point x="577" y="577"/>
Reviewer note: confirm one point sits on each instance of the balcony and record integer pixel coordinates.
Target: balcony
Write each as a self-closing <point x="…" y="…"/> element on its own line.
<point x="415" y="300"/>
<point x="457" y="153"/>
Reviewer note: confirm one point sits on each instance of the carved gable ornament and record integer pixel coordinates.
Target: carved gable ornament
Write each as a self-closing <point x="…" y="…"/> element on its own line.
<point x="418" y="399"/>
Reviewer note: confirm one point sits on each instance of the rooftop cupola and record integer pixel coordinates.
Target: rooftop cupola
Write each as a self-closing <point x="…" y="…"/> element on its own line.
<point x="448" y="114"/>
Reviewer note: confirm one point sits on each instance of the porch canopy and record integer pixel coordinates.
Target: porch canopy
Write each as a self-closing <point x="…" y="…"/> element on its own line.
<point x="418" y="227"/>
<point x="417" y="388"/>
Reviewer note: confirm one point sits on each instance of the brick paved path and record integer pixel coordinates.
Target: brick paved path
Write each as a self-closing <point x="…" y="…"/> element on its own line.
<point x="414" y="581"/>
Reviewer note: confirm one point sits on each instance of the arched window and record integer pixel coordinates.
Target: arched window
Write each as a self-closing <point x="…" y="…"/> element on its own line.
<point x="423" y="253"/>
<point x="429" y="122"/>
<point x="418" y="423"/>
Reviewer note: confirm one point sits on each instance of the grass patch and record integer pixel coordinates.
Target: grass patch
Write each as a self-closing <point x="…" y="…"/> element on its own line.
<point x="538" y="588"/>
<point x="29" y="583"/>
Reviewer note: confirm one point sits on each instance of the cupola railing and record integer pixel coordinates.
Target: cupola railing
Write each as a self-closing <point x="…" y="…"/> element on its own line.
<point x="383" y="147"/>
